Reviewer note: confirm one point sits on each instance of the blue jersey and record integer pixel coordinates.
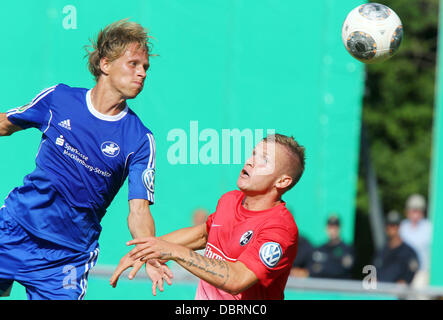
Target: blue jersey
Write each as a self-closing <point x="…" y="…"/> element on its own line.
<point x="83" y="160"/>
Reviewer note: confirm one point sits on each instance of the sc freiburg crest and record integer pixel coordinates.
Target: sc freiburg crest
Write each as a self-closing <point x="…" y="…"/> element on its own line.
<point x="246" y="237"/>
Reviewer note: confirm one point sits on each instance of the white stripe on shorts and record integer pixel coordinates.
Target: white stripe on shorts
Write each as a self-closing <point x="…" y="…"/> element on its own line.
<point x="88" y="266"/>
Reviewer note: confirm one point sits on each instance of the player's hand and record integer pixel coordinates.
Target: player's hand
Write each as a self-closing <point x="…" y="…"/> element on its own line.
<point x="158" y="272"/>
<point x="125" y="263"/>
<point x="155" y="270"/>
<point x="151" y="248"/>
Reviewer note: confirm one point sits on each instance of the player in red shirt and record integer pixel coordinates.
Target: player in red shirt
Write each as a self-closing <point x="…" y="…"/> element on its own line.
<point x="250" y="240"/>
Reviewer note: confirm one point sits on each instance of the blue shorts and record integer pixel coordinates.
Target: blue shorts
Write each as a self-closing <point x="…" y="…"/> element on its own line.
<point x="46" y="269"/>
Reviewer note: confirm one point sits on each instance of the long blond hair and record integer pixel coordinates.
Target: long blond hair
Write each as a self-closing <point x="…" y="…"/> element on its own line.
<point x="112" y="42"/>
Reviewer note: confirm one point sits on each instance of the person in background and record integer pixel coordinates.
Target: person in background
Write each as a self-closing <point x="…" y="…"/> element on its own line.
<point x="304" y="254"/>
<point x="416" y="231"/>
<point x="396" y="261"/>
<point x="334" y="259"/>
<point x="199" y="216"/>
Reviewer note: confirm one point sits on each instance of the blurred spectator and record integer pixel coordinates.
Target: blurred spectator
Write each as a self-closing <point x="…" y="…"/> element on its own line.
<point x="303" y="258"/>
<point x="199" y="216"/>
<point x="333" y="259"/>
<point x="416" y="231"/>
<point x="397" y="261"/>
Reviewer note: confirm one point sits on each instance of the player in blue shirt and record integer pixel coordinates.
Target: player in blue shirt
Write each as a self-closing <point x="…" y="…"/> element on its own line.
<point x="91" y="141"/>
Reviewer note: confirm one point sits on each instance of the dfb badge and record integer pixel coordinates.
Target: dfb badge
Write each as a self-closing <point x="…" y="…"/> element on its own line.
<point x="148" y="177"/>
<point x="270" y="254"/>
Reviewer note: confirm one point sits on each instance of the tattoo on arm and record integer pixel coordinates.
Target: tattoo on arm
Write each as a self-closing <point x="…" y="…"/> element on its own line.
<point x="199" y="258"/>
<point x="224" y="265"/>
<point x="166" y="255"/>
<point x="217" y="268"/>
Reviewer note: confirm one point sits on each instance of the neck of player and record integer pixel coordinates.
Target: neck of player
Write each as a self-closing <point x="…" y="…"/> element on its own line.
<point x="260" y="202"/>
<point x="106" y="100"/>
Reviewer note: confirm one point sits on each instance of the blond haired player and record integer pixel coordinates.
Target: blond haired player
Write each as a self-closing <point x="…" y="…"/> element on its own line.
<point x="91" y="142"/>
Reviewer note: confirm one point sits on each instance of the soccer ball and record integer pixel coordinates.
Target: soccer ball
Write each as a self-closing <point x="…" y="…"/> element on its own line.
<point x="372" y="33"/>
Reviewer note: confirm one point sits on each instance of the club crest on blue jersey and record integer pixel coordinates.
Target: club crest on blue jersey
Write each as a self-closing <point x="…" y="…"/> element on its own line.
<point x="270" y="254"/>
<point x="148" y="177"/>
<point x="246" y="237"/>
<point x="110" y="149"/>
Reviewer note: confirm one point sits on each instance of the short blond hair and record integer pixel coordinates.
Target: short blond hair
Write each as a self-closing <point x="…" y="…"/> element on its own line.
<point x="112" y="42"/>
<point x="296" y="150"/>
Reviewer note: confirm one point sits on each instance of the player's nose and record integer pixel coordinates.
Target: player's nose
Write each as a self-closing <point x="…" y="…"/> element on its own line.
<point x="141" y="72"/>
<point x="250" y="161"/>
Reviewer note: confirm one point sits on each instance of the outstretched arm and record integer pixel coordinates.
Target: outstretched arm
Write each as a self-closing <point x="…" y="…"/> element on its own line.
<point x="141" y="224"/>
<point x="232" y="277"/>
<point x="6" y="126"/>
<point x="194" y="237"/>
<point x="140" y="221"/>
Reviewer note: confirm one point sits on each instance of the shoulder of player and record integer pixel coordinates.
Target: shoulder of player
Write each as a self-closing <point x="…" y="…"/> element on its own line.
<point x="46" y="93"/>
<point x="45" y="96"/>
<point x="137" y="124"/>
<point x="280" y="223"/>
<point x="64" y="88"/>
<point x="284" y="217"/>
<point x="62" y="91"/>
<point x="229" y="199"/>
<point x="232" y="195"/>
<point x="140" y="144"/>
<point x="140" y="133"/>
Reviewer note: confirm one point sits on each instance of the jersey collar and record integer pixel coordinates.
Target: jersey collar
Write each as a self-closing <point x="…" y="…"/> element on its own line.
<point x="252" y="213"/>
<point x="102" y="116"/>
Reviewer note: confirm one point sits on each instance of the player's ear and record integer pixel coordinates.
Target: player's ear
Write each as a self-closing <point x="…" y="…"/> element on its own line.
<point x="104" y="65"/>
<point x="283" y="182"/>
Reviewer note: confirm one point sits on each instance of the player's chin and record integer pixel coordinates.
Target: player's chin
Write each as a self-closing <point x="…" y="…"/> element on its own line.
<point x="132" y="94"/>
<point x="242" y="184"/>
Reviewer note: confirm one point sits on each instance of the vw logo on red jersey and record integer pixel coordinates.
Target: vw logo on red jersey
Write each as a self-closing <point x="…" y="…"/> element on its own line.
<point x="270" y="254"/>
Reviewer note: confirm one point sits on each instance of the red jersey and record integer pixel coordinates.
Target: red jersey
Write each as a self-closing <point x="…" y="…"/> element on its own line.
<point x="265" y="241"/>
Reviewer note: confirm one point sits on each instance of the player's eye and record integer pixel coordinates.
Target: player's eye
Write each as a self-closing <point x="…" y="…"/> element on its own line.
<point x="263" y="158"/>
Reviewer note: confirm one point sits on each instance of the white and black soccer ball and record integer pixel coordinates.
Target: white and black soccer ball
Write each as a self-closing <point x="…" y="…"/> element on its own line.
<point x="372" y="33"/>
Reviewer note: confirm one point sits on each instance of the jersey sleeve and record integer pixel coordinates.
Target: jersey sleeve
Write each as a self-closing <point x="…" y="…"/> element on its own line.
<point x="270" y="253"/>
<point x="141" y="174"/>
<point x="35" y="114"/>
<point x="209" y="222"/>
<point x="211" y="217"/>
